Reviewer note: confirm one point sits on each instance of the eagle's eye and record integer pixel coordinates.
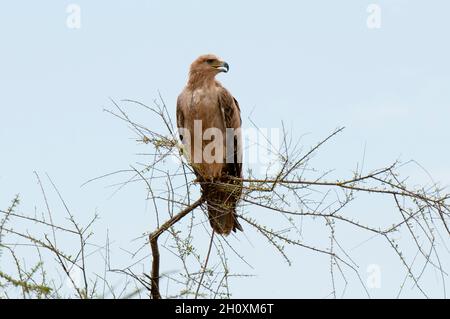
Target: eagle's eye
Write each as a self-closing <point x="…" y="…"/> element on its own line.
<point x="210" y="61"/>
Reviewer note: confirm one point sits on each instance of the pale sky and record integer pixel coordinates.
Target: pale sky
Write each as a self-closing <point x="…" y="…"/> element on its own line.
<point x="315" y="65"/>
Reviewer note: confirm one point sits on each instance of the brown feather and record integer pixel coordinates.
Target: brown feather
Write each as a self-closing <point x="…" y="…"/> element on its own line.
<point x="207" y="100"/>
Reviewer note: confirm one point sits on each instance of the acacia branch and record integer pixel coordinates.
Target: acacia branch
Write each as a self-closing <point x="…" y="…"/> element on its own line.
<point x="155" y="294"/>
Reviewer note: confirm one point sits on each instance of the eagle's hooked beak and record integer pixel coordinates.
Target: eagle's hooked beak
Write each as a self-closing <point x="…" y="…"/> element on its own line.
<point x="223" y="67"/>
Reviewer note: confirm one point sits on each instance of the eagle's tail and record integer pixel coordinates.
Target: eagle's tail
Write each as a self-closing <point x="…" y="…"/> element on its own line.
<point x="223" y="221"/>
<point x="221" y="200"/>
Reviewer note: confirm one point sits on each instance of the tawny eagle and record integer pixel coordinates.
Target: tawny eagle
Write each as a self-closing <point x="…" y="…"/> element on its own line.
<point x="209" y="122"/>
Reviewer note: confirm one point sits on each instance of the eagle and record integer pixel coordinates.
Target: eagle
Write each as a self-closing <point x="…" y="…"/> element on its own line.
<point x="209" y="124"/>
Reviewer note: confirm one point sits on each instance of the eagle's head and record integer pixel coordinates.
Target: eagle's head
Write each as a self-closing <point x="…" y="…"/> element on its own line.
<point x="209" y="65"/>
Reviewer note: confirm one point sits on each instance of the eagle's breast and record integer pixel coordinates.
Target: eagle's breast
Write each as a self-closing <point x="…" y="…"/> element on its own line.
<point x="204" y="106"/>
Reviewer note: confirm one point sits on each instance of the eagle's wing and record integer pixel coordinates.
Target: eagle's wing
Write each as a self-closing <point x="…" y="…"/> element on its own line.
<point x="182" y="127"/>
<point x="231" y="115"/>
<point x="225" y="219"/>
<point x="180" y="115"/>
